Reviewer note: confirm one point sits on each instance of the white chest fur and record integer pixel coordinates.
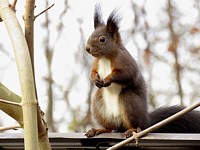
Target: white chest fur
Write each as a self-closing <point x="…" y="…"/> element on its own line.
<point x="110" y="93"/>
<point x="104" y="67"/>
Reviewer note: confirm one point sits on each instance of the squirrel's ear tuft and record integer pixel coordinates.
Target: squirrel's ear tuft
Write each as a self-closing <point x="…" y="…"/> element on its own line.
<point x="98" y="16"/>
<point x="113" y="23"/>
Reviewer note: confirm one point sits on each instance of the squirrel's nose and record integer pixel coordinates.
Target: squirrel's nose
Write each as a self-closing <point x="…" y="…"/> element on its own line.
<point x="88" y="49"/>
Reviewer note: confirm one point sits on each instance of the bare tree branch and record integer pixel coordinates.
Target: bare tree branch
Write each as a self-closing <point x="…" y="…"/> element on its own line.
<point x="43" y="11"/>
<point x="49" y="55"/>
<point x="12" y="110"/>
<point x="14" y="127"/>
<point x="173" y="46"/>
<point x="60" y="26"/>
<point x="10" y="102"/>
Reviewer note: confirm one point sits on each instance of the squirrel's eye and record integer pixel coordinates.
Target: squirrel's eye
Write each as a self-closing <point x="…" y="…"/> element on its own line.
<point x="102" y="39"/>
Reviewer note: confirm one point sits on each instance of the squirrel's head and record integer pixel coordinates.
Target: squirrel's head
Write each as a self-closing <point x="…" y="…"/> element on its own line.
<point x="106" y="37"/>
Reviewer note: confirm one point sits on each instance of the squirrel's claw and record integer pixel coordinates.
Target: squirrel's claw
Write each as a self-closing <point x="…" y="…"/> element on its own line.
<point x="106" y="82"/>
<point x="99" y="83"/>
<point x="90" y="133"/>
<point x="129" y="132"/>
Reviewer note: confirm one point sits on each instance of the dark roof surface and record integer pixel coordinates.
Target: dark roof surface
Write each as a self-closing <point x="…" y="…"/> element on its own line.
<point x="63" y="141"/>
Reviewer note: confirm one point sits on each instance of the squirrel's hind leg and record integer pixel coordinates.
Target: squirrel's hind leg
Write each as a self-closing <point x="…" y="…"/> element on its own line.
<point x="93" y="132"/>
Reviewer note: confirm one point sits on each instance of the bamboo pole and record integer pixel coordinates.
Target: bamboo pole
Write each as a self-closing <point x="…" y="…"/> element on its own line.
<point x="29" y="19"/>
<point x="29" y="31"/>
<point x="29" y="102"/>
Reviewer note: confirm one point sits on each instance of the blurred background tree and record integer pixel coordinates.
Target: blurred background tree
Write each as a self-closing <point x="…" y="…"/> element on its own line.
<point x="163" y="36"/>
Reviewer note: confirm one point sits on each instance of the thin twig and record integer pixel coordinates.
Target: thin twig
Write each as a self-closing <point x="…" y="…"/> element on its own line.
<point x="156" y="126"/>
<point x="43" y="11"/>
<point x="14" y="126"/>
<point x="9" y="102"/>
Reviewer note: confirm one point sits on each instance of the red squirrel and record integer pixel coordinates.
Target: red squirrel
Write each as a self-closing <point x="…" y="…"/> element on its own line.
<point x="120" y="102"/>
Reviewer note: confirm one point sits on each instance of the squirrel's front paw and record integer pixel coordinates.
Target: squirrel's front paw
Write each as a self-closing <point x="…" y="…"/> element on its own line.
<point x="106" y="82"/>
<point x="98" y="83"/>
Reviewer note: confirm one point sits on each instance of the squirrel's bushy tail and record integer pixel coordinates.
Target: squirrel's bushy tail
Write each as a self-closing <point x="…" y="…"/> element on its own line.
<point x="188" y="123"/>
